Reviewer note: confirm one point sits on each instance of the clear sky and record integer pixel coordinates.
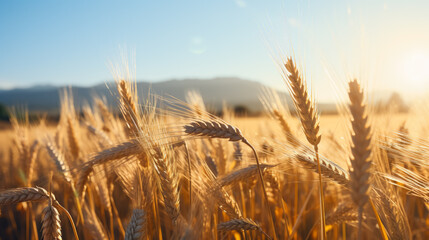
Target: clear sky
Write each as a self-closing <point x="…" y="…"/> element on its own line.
<point x="385" y="43"/>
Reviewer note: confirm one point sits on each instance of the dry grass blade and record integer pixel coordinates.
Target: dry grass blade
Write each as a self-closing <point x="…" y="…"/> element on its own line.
<point x="136" y="229"/>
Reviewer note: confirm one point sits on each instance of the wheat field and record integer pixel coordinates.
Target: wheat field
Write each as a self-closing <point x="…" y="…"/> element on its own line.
<point x="161" y="168"/>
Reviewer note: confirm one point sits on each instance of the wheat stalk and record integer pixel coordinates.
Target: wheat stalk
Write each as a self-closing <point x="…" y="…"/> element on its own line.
<point x="361" y="150"/>
<point x="307" y="113"/>
<point x="218" y="129"/>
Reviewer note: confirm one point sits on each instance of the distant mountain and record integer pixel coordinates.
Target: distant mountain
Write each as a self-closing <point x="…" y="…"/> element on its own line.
<point x="233" y="91"/>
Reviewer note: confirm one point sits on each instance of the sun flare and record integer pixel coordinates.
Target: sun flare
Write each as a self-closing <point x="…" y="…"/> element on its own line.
<point x="415" y="69"/>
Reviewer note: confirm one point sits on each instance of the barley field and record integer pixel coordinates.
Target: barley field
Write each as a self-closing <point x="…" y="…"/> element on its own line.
<point x="161" y="168"/>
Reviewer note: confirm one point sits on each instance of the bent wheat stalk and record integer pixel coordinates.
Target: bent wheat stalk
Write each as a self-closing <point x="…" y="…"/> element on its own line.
<point x="217" y="129"/>
<point x="119" y="151"/>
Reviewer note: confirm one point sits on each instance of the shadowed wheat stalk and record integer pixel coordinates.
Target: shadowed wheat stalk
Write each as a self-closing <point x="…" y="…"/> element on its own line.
<point x="361" y="151"/>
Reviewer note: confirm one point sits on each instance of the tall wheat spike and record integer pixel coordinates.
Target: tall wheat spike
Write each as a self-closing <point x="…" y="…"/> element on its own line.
<point x="308" y="115"/>
<point x="361" y="150"/>
<point x="169" y="182"/>
<point x="128" y="99"/>
<point x="72" y="138"/>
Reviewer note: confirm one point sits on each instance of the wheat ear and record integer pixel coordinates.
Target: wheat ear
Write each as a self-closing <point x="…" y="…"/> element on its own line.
<point x="227" y="203"/>
<point x="51" y="223"/>
<point x="361" y="150"/>
<point x="59" y="161"/>
<point x="214" y="129"/>
<point x="286" y="129"/>
<point x="245" y="224"/>
<point x="34" y="150"/>
<point x="169" y="182"/>
<point x="241" y="174"/>
<point x="128" y="106"/>
<point x="26" y="194"/>
<point x="217" y="129"/>
<point x="119" y="151"/>
<point x="307" y="113"/>
<point x="329" y="169"/>
<point x="72" y="138"/>
<point x="343" y="213"/>
<point x="136" y="229"/>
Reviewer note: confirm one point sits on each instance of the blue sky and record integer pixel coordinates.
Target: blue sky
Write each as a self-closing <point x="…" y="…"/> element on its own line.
<point x="73" y="42"/>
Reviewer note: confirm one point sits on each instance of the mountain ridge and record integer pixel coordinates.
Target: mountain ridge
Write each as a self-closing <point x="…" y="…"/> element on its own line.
<point x="232" y="90"/>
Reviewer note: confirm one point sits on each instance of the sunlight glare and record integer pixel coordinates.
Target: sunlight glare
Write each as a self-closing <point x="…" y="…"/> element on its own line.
<point x="415" y="70"/>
